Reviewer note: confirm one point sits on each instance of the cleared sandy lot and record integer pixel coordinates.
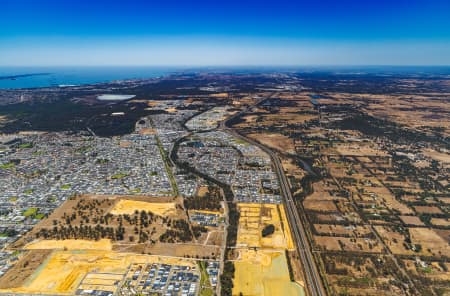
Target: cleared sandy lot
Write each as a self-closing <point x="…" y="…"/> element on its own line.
<point x="254" y="217"/>
<point x="263" y="273"/>
<point x="126" y="206"/>
<point x="70" y="244"/>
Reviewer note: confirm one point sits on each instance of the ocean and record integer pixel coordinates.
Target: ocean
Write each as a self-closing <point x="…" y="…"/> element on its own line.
<point x="32" y="77"/>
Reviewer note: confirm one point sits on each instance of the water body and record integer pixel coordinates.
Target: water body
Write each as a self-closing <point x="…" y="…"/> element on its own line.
<point x="31" y="77"/>
<point x="115" y="97"/>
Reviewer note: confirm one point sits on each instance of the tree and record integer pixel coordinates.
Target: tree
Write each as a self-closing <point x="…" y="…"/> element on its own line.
<point x="268" y="230"/>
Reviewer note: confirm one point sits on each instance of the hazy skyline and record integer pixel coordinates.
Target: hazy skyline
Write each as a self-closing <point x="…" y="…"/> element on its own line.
<point x="191" y="33"/>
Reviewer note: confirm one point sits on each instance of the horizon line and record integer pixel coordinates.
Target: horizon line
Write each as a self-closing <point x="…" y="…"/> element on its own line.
<point x="231" y="66"/>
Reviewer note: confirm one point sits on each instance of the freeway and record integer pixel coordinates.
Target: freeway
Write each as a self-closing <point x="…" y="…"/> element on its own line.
<point x="311" y="272"/>
<point x="312" y="276"/>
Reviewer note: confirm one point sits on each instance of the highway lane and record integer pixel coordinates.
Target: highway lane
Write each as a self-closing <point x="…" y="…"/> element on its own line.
<point x="314" y="283"/>
<point x="312" y="276"/>
<point x="311" y="272"/>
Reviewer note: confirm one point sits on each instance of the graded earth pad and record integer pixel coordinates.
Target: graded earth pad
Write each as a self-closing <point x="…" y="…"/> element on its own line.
<point x="70" y="244"/>
<point x="126" y="206"/>
<point x="26" y="266"/>
<point x="263" y="273"/>
<point x="254" y="217"/>
<point x="62" y="272"/>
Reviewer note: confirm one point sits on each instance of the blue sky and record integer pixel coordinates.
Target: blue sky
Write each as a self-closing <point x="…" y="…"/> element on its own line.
<point x="314" y="32"/>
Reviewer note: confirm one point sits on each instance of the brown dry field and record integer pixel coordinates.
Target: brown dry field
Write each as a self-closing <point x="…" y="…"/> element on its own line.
<point x="363" y="269"/>
<point x="356" y="271"/>
<point x="440" y="221"/>
<point x="346" y="208"/>
<point x="219" y="95"/>
<point x="436" y="155"/>
<point x="368" y="291"/>
<point x="415" y="111"/>
<point x="340" y="171"/>
<point x="321" y="193"/>
<point x="3" y="118"/>
<point x="291" y="168"/>
<point x="334" y="280"/>
<point x="16" y="276"/>
<point x="389" y="199"/>
<point x="359" y="149"/>
<point x="445" y="183"/>
<point x="284" y="116"/>
<point x="276" y="141"/>
<point x="322" y="188"/>
<point x="393" y="240"/>
<point x="249" y="120"/>
<point x="406" y="185"/>
<point x="214" y="238"/>
<point x="320" y="205"/>
<point x="437" y="273"/>
<point x="444" y="233"/>
<point x="379" y="210"/>
<point x="341" y="230"/>
<point x="427" y="210"/>
<point x="147" y="131"/>
<point x="331" y="243"/>
<point x="202" y="191"/>
<point x="445" y="200"/>
<point x="411" y="220"/>
<point x="296" y="267"/>
<point x="321" y="200"/>
<point x="429" y="239"/>
<point x="328" y="217"/>
<point x="124" y="144"/>
<point x="412" y="118"/>
<point x="153" y="103"/>
<point x="363" y="198"/>
<point x="245" y="101"/>
<point x="183" y="250"/>
<point x="366" y="160"/>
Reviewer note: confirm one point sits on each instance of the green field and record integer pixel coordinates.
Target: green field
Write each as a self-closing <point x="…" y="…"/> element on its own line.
<point x="28" y="191"/>
<point x="119" y="176"/>
<point x="39" y="216"/>
<point x="205" y="285"/>
<point x="30" y="212"/>
<point x="66" y="187"/>
<point x="26" y="145"/>
<point x="8" y="165"/>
